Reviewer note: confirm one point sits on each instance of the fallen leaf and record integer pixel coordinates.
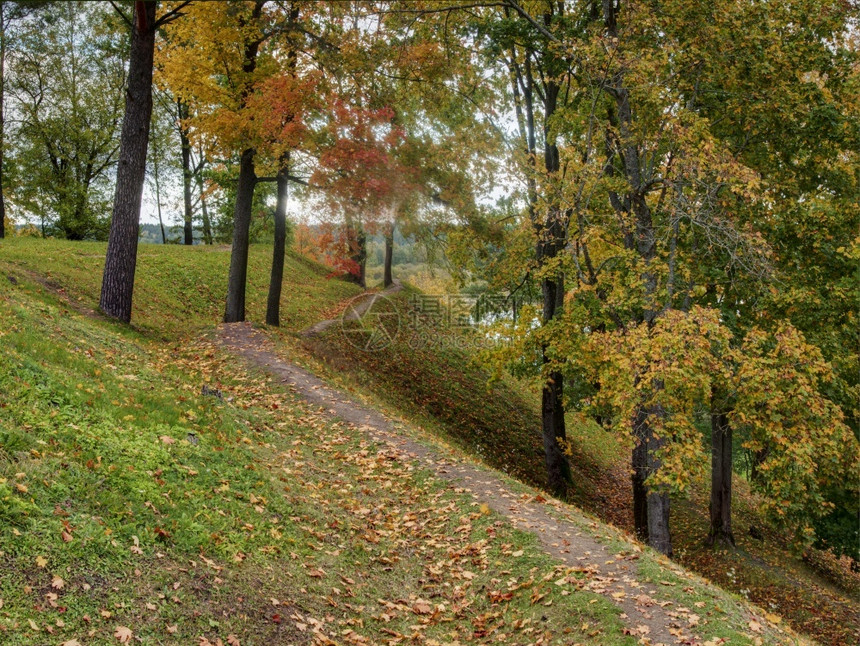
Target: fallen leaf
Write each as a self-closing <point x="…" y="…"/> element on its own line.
<point x="41" y="561"/>
<point x="123" y="634"/>
<point x="57" y="583"/>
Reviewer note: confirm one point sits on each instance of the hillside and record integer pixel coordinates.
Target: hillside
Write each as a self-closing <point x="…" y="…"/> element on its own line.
<point x="152" y="484"/>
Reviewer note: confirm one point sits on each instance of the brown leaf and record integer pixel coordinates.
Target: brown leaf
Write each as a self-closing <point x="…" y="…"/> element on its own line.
<point x="123" y="634"/>
<point x="57" y="583"/>
<point x="422" y="608"/>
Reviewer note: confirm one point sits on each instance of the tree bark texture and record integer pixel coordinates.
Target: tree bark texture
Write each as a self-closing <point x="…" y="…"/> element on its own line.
<point x="235" y="308"/>
<point x="273" y="307"/>
<point x="118" y="278"/>
<point x="721" y="480"/>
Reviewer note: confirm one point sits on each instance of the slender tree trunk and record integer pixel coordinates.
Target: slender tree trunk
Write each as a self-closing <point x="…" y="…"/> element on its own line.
<point x="721" y="479"/>
<point x="387" y="279"/>
<point x="118" y="279"/>
<point x="182" y="109"/>
<point x="158" y="199"/>
<point x="207" y="223"/>
<point x="235" y="308"/>
<point x="273" y="307"/>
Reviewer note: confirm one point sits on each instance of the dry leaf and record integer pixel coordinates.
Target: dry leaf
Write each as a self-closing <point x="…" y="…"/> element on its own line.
<point x="57" y="583"/>
<point x="123" y="634"/>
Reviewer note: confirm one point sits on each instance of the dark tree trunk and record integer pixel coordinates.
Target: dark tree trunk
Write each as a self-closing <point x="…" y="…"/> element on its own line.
<point x="721" y="479"/>
<point x="639" y="472"/>
<point x="182" y="109"/>
<point x="235" y="309"/>
<point x="207" y="223"/>
<point x="550" y="243"/>
<point x="118" y="279"/>
<point x="387" y="279"/>
<point x="273" y="307"/>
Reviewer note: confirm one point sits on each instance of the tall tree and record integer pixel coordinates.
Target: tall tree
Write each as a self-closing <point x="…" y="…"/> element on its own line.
<point x="121" y="258"/>
<point x="66" y="91"/>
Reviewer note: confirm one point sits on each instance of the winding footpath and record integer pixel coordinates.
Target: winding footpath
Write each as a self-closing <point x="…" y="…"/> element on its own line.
<point x="651" y="620"/>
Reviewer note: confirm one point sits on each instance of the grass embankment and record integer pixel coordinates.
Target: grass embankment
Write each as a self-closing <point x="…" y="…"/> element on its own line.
<point x="132" y="503"/>
<point x="431" y="378"/>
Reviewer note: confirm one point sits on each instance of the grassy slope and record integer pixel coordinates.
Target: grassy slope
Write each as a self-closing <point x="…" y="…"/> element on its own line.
<point x="438" y="386"/>
<point x="127" y="498"/>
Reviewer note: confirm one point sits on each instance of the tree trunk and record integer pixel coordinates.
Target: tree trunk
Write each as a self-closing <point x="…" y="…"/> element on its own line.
<point x="118" y="279"/>
<point x="357" y="241"/>
<point x="658" y="499"/>
<point x="158" y="199"/>
<point x="235" y="308"/>
<point x="638" y="474"/>
<point x="273" y="307"/>
<point x="721" y="479"/>
<point x="182" y="109"/>
<point x="387" y="279"/>
<point x="552" y="406"/>
<point x="207" y="223"/>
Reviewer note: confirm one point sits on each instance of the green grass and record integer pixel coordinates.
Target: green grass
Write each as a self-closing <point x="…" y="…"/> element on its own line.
<point x="179" y="289"/>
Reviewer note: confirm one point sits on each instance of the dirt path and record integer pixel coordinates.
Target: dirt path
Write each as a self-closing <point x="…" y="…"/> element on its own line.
<point x="609" y="575"/>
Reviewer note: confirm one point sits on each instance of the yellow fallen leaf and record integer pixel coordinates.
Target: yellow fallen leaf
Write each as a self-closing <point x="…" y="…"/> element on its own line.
<point x="772" y="618"/>
<point x="41" y="561"/>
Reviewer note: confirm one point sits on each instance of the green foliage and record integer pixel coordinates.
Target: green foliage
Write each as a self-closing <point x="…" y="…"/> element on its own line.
<point x="66" y="86"/>
<point x="799" y="436"/>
